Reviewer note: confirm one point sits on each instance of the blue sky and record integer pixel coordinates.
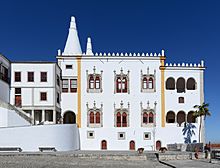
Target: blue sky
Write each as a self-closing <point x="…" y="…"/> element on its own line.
<point x="189" y="31"/>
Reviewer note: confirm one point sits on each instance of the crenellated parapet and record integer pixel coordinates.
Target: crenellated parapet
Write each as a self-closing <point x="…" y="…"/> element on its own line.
<point x="192" y="65"/>
<point x="161" y="54"/>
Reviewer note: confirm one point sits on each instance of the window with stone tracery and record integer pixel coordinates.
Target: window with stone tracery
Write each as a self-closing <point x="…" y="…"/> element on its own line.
<point x="148" y="115"/>
<point x="148" y="81"/>
<point x="94" y="116"/>
<point x="121" y="82"/>
<point x="121" y="116"/>
<point x="94" y="81"/>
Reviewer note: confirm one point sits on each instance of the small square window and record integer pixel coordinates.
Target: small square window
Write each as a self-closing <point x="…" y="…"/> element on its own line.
<point x="43" y="76"/>
<point x="17" y="76"/>
<point x="121" y="135"/>
<point x="43" y="96"/>
<point x="181" y="99"/>
<point x="30" y="76"/>
<point x="69" y="66"/>
<point x="90" y="134"/>
<point x="147" y="136"/>
<point x="17" y="90"/>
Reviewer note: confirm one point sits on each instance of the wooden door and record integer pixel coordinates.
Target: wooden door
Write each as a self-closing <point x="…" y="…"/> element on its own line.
<point x="18" y="100"/>
<point x="104" y="145"/>
<point x="158" y="145"/>
<point x="132" y="145"/>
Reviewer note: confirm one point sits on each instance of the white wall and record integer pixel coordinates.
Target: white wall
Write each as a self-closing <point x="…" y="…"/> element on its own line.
<point x="4" y="86"/>
<point x="30" y="138"/>
<point x="171" y="133"/>
<point x="30" y="91"/>
<point x="68" y="100"/>
<point x="9" y="118"/>
<point x="4" y="91"/>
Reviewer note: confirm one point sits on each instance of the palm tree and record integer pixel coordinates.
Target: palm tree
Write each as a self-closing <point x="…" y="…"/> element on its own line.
<point x="201" y="111"/>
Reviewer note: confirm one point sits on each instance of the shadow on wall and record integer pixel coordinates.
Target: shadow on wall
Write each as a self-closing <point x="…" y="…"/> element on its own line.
<point x="188" y="132"/>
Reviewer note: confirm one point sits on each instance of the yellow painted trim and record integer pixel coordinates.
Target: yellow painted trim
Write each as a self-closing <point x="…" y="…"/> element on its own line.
<point x="162" y="61"/>
<point x="79" y="91"/>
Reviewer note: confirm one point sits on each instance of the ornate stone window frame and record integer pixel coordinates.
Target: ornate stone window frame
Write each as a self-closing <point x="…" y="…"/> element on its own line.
<point x="94" y="75"/>
<point x="121" y="75"/>
<point x="95" y="110"/>
<point x="148" y="76"/>
<point x="121" y="110"/>
<point x="123" y="136"/>
<point x="89" y="134"/>
<point x="149" y="135"/>
<point x="148" y="110"/>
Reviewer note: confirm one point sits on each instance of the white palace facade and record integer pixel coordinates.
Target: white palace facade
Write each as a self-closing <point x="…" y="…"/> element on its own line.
<point x="117" y="101"/>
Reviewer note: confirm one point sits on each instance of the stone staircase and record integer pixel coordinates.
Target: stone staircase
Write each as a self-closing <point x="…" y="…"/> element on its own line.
<point x="20" y="112"/>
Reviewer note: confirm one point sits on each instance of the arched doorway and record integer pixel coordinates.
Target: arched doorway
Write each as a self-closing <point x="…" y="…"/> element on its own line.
<point x="104" y="145"/>
<point x="69" y="118"/>
<point x="158" y="145"/>
<point x="132" y="145"/>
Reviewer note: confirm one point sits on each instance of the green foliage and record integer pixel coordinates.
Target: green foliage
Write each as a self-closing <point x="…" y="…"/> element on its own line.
<point x="202" y="110"/>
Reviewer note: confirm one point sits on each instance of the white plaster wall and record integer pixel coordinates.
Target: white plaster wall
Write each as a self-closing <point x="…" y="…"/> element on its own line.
<point x="4" y="91"/>
<point x="36" y="68"/>
<point x="169" y="134"/>
<point x="9" y="118"/>
<point x="4" y="87"/>
<point x="31" y="90"/>
<point x="62" y="137"/>
<point x="68" y="100"/>
<point x="191" y="98"/>
<point x="3" y="117"/>
<point x="108" y="98"/>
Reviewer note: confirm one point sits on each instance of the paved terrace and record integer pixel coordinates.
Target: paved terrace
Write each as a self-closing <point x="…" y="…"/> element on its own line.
<point x="98" y="159"/>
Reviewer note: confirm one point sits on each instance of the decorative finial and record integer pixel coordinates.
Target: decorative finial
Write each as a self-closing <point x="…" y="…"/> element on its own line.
<point x="73" y="23"/>
<point x="59" y="52"/>
<point x="89" y="47"/>
<point x="202" y="63"/>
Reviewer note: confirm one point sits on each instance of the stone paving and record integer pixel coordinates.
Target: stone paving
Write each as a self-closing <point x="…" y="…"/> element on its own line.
<point x="67" y="160"/>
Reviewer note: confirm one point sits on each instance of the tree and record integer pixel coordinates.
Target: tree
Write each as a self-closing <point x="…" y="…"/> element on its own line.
<point x="188" y="130"/>
<point x="201" y="112"/>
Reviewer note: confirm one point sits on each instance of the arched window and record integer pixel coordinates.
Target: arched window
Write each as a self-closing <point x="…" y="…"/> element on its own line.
<point x="191" y="118"/>
<point x="97" y="117"/>
<point x="97" y="82"/>
<point x="145" y="118"/>
<point x="118" y="84"/>
<point x="145" y="83"/>
<point x="124" y="120"/>
<point x="181" y="117"/>
<point x="150" y="83"/>
<point x="124" y="85"/>
<point x="91" y="117"/>
<point x="118" y="120"/>
<point x="151" y="117"/>
<point x="104" y="145"/>
<point x="170" y="84"/>
<point x="191" y="84"/>
<point x="170" y="118"/>
<point x="91" y="82"/>
<point x="180" y="85"/>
